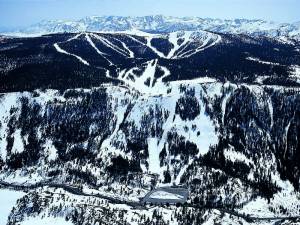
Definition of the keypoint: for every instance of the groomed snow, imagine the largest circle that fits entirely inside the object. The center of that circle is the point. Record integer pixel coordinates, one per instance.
(160, 54)
(112, 46)
(208, 40)
(173, 38)
(88, 38)
(165, 195)
(60, 50)
(224, 103)
(261, 61)
(200, 80)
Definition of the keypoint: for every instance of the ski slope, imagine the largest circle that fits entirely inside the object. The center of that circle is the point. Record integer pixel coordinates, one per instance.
(60, 50)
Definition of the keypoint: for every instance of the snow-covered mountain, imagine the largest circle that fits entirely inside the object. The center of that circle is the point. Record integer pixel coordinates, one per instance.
(90, 122)
(161, 24)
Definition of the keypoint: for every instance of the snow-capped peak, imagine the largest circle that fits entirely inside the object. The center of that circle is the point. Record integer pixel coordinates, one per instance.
(162, 24)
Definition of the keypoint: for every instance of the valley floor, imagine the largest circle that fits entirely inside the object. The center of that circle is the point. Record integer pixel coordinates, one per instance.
(156, 200)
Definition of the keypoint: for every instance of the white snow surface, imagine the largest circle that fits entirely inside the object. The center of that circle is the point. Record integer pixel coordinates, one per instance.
(153, 150)
(207, 40)
(112, 46)
(262, 61)
(173, 38)
(7, 101)
(50, 150)
(46, 221)
(224, 103)
(8, 199)
(160, 54)
(165, 195)
(59, 49)
(88, 38)
(167, 102)
(234, 156)
(295, 73)
(18, 145)
(158, 23)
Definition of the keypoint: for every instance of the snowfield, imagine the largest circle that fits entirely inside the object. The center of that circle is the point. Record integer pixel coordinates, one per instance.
(154, 166)
(8, 200)
(46, 221)
(138, 26)
(165, 195)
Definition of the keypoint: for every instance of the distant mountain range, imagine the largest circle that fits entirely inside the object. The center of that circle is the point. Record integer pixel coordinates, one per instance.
(160, 24)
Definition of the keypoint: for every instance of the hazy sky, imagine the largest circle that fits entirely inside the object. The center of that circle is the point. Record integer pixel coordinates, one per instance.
(25, 12)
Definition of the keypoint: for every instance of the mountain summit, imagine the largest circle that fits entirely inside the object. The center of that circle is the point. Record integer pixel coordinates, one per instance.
(160, 24)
